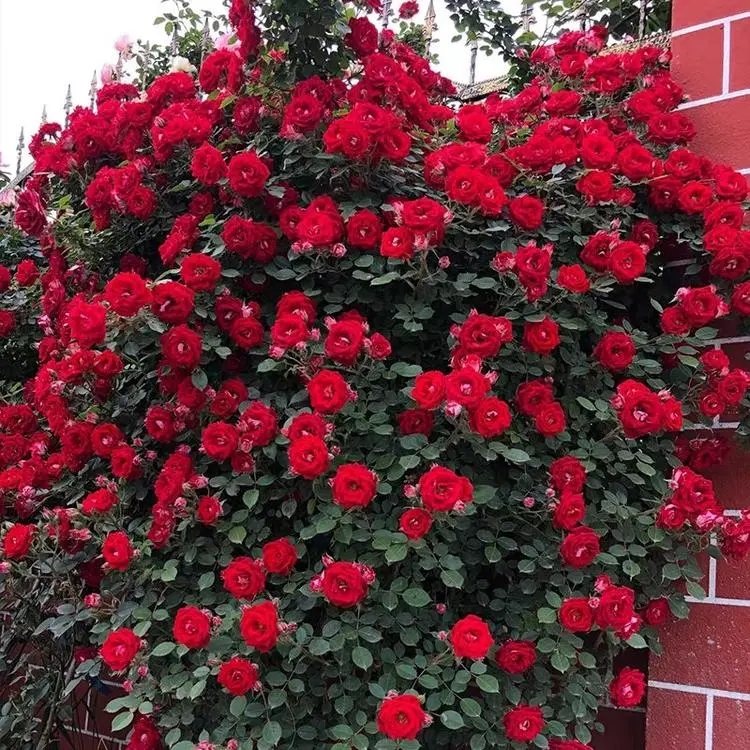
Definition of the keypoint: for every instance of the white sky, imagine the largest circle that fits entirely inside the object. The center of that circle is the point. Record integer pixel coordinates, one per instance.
(47, 44)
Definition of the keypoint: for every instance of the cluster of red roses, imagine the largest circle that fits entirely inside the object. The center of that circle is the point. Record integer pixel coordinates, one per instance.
(725, 387)
(379, 117)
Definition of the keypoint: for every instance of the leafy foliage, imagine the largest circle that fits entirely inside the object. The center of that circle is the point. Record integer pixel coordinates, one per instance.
(357, 417)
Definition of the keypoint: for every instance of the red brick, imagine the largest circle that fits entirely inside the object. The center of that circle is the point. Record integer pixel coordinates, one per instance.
(692, 12)
(697, 61)
(736, 354)
(675, 721)
(723, 130)
(100, 721)
(739, 61)
(731, 479)
(731, 723)
(709, 649)
(732, 580)
(623, 730)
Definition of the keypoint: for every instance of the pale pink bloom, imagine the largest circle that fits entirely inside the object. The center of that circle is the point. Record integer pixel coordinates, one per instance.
(108, 73)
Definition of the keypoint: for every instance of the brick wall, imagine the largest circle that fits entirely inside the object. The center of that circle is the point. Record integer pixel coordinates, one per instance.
(699, 690)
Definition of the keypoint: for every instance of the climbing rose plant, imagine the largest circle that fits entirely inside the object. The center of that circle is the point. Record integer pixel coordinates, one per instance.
(363, 419)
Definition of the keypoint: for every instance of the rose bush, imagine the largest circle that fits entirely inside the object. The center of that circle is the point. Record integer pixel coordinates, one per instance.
(360, 418)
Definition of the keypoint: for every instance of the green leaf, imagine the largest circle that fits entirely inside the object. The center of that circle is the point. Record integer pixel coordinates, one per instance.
(452, 719)
(237, 534)
(237, 706)
(122, 720)
(452, 578)
(487, 683)
(272, 732)
(637, 641)
(199, 379)
(162, 649)
(515, 455)
(416, 597)
(362, 657)
(546, 615)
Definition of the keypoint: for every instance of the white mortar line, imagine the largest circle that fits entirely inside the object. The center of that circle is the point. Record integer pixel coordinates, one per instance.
(712, 578)
(709, 722)
(730, 340)
(697, 690)
(710, 24)
(714, 99)
(719, 601)
(744, 171)
(727, 57)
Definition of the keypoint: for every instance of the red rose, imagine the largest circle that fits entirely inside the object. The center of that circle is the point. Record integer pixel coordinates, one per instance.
(246, 332)
(127, 293)
(219, 440)
(397, 242)
(345, 341)
(491, 417)
(120, 648)
(441, 489)
(570, 510)
(516, 657)
(244, 578)
(406, 10)
(615, 351)
(259, 626)
(596, 186)
(208, 510)
(172, 302)
(247, 174)
(674, 321)
(207, 164)
(258, 425)
(343, 584)
(7, 323)
(5, 279)
(429, 389)
(416, 422)
(473, 123)
(575, 615)
(628, 688)
(307, 425)
(466, 387)
(302, 114)
(415, 522)
(573, 278)
(192, 627)
(354, 486)
(470, 638)
(145, 735)
(328, 392)
(99, 501)
(526, 212)
(636, 162)
(711, 404)
(279, 556)
(542, 337)
(741, 298)
(657, 612)
(580, 547)
(363, 230)
(694, 197)
(550, 420)
(117, 550)
(105, 438)
(238, 676)
(523, 723)
(308, 457)
(484, 335)
(182, 347)
(640, 410)
(200, 272)
(362, 36)
(615, 609)
(597, 151)
(733, 386)
(532, 396)
(378, 346)
(627, 261)
(401, 717)
(567, 473)
(671, 517)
